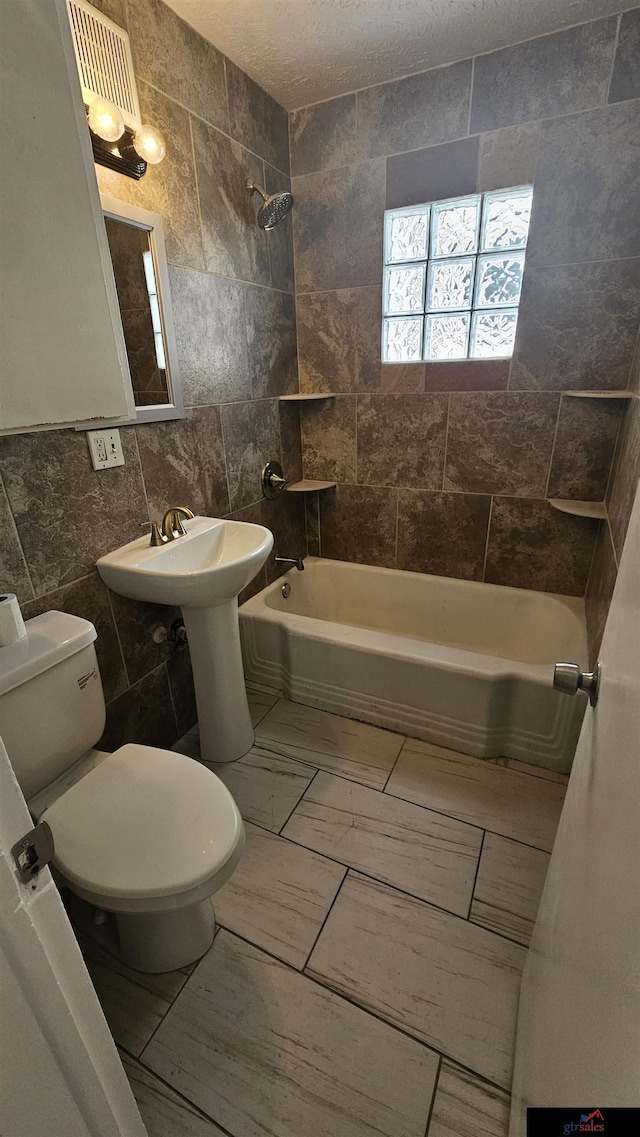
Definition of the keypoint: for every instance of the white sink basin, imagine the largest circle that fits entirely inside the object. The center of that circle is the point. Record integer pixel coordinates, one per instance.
(203, 572)
(212, 564)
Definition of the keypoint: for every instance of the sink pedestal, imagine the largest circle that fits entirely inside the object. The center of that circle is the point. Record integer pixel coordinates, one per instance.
(226, 732)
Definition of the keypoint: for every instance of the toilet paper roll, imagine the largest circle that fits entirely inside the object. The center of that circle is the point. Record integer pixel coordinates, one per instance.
(12, 626)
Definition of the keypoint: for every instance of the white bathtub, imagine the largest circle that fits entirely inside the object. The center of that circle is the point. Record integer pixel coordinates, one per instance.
(464, 665)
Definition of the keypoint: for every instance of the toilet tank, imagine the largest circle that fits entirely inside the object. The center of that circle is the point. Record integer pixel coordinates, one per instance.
(51, 700)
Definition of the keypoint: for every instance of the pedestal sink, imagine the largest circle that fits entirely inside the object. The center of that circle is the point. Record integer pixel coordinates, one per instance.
(203, 572)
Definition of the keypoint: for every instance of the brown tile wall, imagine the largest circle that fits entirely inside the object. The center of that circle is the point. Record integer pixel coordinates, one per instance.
(620, 496)
(446, 467)
(232, 293)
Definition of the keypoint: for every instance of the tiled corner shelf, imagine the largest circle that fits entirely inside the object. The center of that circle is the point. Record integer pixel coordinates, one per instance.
(598, 394)
(309, 485)
(594, 509)
(305, 398)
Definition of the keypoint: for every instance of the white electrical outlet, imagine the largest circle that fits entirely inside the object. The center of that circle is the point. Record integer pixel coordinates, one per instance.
(105, 448)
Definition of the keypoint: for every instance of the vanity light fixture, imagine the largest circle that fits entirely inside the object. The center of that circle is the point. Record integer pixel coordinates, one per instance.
(105, 120)
(149, 144)
(131, 152)
(119, 138)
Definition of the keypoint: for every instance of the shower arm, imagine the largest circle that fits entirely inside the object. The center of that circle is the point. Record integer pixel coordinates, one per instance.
(253, 187)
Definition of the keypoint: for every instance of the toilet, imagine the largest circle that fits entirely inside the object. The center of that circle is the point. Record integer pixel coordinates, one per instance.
(143, 837)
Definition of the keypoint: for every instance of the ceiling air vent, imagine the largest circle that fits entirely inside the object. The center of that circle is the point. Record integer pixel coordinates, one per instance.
(103, 55)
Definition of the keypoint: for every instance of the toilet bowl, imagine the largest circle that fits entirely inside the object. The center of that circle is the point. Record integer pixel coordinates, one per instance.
(143, 835)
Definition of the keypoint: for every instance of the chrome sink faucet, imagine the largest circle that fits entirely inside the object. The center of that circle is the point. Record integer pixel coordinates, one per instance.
(171, 526)
(297, 561)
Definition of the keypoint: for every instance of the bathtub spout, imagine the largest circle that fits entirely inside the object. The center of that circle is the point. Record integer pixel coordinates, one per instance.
(297, 561)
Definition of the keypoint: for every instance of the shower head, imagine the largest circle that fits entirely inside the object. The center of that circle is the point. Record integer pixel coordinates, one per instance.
(274, 208)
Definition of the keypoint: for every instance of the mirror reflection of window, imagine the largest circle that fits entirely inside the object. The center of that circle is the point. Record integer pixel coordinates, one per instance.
(137, 289)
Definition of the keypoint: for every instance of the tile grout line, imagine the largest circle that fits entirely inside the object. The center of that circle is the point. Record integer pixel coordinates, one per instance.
(472, 79)
(453, 62)
(494, 832)
(197, 188)
(475, 879)
(396, 888)
(14, 526)
(213, 126)
(436, 1086)
(278, 832)
(395, 763)
(318, 982)
(616, 41)
(322, 925)
(192, 1105)
(486, 544)
(118, 638)
(553, 447)
(446, 444)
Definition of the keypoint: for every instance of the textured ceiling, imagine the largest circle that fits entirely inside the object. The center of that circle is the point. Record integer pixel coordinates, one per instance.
(303, 51)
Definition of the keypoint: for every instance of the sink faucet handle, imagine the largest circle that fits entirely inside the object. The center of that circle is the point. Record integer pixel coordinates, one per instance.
(172, 526)
(156, 536)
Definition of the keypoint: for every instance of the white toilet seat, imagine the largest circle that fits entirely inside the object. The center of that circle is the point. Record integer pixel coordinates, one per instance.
(146, 830)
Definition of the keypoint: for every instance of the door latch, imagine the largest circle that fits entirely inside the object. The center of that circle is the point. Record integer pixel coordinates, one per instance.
(33, 852)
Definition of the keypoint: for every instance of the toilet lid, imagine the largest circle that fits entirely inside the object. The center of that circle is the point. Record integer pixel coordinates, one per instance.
(144, 823)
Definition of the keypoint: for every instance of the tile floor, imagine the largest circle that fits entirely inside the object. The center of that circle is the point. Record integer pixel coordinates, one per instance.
(364, 977)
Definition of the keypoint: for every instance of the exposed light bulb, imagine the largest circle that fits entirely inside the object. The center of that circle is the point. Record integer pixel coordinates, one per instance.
(149, 144)
(105, 120)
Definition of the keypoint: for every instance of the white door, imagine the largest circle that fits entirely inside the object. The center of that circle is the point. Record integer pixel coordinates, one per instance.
(578, 1042)
(59, 1068)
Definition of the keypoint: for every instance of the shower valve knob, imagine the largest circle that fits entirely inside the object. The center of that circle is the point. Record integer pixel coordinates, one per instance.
(569, 679)
(273, 480)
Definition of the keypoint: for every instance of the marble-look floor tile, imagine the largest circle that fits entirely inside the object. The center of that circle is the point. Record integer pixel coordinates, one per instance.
(341, 746)
(504, 801)
(440, 978)
(266, 1051)
(259, 703)
(508, 887)
(265, 786)
(164, 1113)
(421, 852)
(133, 1003)
(278, 896)
(465, 1106)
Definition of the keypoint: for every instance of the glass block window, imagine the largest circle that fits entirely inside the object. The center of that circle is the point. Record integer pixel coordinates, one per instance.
(453, 277)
